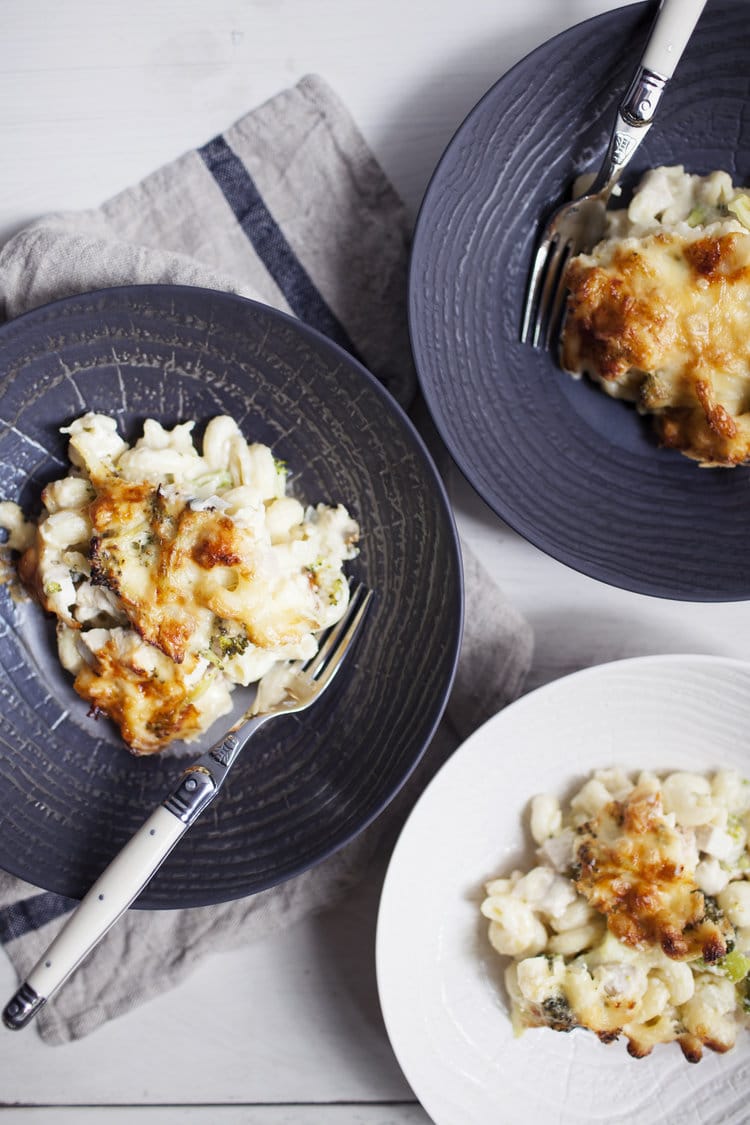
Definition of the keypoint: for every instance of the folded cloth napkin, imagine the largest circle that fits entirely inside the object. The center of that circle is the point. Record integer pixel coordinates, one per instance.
(288, 206)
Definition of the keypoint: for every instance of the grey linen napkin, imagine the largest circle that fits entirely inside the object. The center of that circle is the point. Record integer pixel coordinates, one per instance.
(289, 207)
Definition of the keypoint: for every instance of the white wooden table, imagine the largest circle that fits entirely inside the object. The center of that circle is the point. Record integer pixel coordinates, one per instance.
(93, 95)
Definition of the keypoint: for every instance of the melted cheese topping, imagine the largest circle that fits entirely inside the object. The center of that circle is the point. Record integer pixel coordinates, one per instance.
(638, 870)
(151, 701)
(175, 576)
(661, 315)
(175, 569)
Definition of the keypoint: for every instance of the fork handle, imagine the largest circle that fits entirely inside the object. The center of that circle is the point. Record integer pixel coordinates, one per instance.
(672, 28)
(109, 897)
(129, 872)
(669, 36)
(132, 869)
(121, 882)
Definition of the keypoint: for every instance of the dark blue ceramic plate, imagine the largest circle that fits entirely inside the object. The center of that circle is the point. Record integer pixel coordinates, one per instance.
(578, 474)
(70, 792)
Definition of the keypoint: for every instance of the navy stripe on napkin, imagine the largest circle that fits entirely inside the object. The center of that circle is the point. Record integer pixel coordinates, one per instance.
(31, 914)
(267, 238)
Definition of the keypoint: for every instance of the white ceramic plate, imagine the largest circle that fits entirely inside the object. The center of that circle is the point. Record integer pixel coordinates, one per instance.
(440, 982)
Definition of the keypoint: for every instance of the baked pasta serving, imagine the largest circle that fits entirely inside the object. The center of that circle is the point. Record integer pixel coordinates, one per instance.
(175, 575)
(635, 920)
(659, 312)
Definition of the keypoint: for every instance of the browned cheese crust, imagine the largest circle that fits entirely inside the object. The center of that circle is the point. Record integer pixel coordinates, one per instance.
(630, 868)
(150, 711)
(167, 562)
(665, 320)
(170, 567)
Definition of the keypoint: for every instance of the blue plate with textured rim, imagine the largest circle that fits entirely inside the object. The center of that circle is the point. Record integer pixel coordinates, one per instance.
(70, 792)
(578, 474)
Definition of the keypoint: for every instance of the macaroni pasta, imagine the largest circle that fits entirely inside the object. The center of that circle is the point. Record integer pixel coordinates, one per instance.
(175, 575)
(635, 920)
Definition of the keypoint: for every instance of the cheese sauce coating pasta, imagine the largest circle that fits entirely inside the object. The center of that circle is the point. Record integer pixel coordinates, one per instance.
(635, 920)
(175, 575)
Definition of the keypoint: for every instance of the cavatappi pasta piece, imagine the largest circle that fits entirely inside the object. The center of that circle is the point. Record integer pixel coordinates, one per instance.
(176, 574)
(619, 928)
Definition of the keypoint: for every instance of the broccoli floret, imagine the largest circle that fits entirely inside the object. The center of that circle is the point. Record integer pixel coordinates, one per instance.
(711, 909)
(226, 644)
(557, 1013)
(233, 644)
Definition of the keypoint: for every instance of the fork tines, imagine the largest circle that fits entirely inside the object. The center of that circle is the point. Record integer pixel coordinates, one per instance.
(545, 296)
(323, 666)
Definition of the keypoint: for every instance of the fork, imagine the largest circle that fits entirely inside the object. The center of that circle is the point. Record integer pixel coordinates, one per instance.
(135, 865)
(578, 226)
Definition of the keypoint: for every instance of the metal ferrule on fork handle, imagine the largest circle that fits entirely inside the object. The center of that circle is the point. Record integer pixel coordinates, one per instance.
(23, 1007)
(642, 98)
(188, 799)
(634, 117)
(200, 782)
